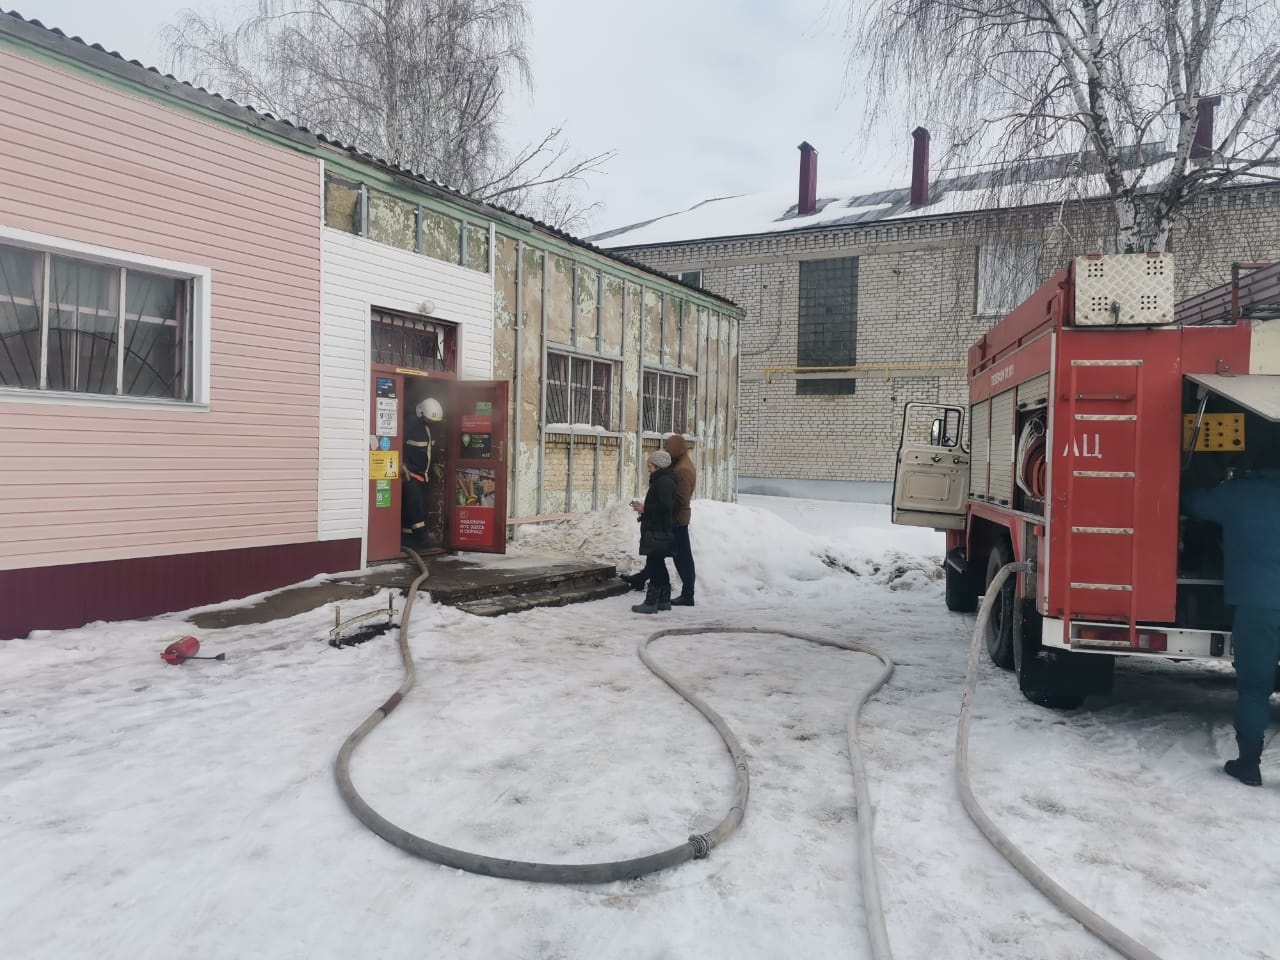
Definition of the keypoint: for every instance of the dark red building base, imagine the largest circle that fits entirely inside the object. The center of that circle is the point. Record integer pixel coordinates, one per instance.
(57, 598)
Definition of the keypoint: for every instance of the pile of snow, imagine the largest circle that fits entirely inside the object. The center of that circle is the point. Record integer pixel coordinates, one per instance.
(154, 811)
(790, 549)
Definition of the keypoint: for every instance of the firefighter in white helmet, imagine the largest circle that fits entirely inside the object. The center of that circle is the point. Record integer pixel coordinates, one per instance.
(419, 447)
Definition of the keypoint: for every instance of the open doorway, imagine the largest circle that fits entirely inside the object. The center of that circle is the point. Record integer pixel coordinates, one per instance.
(424, 518)
(438, 446)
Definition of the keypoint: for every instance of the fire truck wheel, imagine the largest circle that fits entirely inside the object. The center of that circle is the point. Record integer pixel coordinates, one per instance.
(1000, 627)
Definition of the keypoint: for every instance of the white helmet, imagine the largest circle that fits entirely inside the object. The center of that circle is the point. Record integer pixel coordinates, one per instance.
(430, 409)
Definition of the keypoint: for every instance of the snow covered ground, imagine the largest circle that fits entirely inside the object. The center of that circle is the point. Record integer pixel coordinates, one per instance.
(154, 811)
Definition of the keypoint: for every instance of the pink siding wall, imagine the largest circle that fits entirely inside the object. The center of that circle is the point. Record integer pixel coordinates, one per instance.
(83, 161)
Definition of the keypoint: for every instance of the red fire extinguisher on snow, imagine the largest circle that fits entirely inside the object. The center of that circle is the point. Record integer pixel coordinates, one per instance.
(185, 649)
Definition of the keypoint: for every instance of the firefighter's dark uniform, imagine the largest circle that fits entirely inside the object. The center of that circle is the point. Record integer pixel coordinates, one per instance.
(417, 465)
(1248, 508)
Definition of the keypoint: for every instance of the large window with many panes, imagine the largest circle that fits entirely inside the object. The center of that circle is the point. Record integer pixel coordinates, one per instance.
(827, 332)
(73, 325)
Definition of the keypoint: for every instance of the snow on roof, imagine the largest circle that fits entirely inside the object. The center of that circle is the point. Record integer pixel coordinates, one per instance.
(844, 202)
(1056, 179)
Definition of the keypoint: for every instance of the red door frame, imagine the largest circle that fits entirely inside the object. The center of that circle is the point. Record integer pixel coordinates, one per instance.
(383, 524)
(477, 515)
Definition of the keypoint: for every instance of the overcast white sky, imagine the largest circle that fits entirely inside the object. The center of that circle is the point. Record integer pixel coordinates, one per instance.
(700, 98)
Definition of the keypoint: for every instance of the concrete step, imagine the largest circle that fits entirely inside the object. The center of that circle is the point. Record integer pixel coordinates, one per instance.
(579, 590)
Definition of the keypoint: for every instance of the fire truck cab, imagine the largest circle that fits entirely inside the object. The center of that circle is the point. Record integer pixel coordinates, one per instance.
(1092, 406)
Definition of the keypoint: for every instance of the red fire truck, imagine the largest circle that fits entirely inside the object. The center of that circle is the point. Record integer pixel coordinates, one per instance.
(1091, 407)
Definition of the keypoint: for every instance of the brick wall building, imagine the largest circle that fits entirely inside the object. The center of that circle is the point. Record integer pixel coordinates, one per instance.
(891, 294)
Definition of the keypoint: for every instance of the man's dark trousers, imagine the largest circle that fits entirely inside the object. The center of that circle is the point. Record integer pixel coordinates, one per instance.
(682, 556)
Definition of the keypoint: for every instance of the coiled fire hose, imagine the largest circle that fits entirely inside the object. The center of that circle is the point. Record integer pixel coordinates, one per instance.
(696, 847)
(700, 845)
(1105, 931)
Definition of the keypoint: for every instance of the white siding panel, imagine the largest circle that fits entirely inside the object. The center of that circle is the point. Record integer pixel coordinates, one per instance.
(359, 274)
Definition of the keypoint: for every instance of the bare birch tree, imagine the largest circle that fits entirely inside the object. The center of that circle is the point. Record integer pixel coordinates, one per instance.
(1116, 82)
(420, 83)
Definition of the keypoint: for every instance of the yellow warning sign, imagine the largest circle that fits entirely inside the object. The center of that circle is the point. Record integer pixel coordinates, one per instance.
(384, 464)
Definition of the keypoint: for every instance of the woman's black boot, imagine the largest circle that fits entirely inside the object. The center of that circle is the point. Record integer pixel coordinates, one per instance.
(650, 604)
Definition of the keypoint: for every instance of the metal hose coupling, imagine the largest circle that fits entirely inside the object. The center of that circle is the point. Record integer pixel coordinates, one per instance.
(701, 844)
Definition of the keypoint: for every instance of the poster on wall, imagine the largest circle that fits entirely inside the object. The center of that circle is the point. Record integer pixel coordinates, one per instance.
(476, 436)
(384, 465)
(386, 408)
(474, 515)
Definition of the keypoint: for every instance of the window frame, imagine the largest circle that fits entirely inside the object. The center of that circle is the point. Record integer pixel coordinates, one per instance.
(200, 279)
(828, 293)
(606, 391)
(665, 376)
(1014, 253)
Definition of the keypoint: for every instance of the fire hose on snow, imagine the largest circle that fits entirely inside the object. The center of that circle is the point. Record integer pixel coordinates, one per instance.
(1105, 931)
(700, 845)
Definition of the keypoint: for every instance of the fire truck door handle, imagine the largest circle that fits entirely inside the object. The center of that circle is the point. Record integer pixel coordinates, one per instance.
(955, 459)
(936, 459)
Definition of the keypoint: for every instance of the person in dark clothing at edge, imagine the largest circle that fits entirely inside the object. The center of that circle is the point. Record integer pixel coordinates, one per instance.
(655, 532)
(1248, 509)
(418, 448)
(686, 476)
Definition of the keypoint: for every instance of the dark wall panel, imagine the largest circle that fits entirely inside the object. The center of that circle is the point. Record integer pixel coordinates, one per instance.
(58, 598)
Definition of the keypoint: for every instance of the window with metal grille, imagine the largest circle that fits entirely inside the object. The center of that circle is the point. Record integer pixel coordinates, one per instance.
(77, 326)
(412, 342)
(579, 390)
(665, 403)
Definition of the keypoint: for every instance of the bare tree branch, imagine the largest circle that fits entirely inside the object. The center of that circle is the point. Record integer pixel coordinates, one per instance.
(419, 83)
(1018, 80)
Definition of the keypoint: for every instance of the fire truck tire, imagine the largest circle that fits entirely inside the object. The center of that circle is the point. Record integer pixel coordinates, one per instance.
(1035, 682)
(999, 633)
(962, 590)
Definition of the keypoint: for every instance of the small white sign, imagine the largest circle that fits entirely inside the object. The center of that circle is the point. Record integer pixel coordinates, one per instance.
(386, 416)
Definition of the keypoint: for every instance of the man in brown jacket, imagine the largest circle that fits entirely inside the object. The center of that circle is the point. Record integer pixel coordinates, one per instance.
(686, 477)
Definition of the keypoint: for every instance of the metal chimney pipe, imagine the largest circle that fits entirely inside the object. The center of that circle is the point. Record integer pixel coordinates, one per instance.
(808, 179)
(920, 167)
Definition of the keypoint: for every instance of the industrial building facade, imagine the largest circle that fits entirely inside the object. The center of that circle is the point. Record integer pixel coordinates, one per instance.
(859, 300)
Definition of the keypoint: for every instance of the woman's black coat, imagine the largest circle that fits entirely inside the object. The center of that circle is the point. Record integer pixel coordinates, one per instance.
(656, 538)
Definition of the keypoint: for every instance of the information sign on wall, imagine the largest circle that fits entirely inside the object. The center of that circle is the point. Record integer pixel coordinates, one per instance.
(386, 411)
(384, 464)
(382, 493)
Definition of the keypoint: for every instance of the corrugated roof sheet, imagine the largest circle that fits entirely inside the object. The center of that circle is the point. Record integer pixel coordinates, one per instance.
(75, 48)
(852, 203)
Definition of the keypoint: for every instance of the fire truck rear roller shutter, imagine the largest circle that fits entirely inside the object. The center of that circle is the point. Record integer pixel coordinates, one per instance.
(1002, 443)
(1034, 393)
(980, 449)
